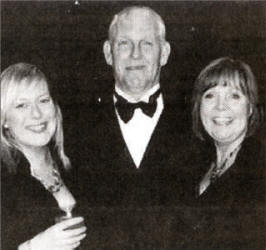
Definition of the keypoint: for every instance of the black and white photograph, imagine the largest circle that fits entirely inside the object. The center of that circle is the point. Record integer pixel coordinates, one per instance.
(133, 125)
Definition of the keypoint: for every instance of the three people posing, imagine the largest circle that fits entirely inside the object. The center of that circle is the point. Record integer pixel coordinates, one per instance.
(134, 152)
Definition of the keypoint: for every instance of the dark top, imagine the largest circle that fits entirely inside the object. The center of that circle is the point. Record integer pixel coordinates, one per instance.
(231, 212)
(27, 207)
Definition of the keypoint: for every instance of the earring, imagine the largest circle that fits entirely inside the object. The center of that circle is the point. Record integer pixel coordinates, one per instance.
(5, 126)
(250, 110)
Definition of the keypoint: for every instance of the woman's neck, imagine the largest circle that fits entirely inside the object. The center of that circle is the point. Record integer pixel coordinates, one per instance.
(38, 156)
(224, 150)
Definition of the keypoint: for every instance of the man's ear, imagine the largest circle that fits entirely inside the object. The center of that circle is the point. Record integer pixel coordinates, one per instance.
(166, 49)
(107, 52)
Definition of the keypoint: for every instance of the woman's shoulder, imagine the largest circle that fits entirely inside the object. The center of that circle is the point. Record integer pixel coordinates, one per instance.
(251, 165)
(200, 154)
(8, 175)
(253, 152)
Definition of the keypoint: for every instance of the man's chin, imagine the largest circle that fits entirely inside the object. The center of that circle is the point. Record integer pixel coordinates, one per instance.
(134, 86)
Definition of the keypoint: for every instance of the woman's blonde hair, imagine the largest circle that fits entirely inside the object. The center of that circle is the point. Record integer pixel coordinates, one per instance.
(13, 77)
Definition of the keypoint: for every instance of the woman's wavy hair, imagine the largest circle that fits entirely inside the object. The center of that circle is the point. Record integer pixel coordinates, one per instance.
(12, 78)
(222, 71)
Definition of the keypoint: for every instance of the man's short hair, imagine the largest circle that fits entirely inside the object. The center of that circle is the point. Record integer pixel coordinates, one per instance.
(127, 11)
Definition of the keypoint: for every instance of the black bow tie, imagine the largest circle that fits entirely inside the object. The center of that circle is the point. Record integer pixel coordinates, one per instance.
(126, 109)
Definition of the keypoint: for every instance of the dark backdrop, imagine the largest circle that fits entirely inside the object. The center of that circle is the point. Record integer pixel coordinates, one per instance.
(65, 40)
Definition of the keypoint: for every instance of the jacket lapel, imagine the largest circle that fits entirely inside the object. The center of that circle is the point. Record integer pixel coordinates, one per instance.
(157, 152)
(161, 144)
(117, 150)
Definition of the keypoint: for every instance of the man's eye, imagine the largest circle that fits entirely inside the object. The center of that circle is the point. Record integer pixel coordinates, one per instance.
(123, 43)
(21, 106)
(147, 43)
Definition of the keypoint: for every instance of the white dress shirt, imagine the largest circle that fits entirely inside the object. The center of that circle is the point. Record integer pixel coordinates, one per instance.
(138, 131)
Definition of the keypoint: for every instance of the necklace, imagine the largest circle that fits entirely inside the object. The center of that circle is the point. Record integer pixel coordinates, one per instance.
(218, 170)
(57, 181)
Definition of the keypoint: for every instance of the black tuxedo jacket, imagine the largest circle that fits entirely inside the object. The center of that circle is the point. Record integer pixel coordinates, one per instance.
(127, 207)
(110, 172)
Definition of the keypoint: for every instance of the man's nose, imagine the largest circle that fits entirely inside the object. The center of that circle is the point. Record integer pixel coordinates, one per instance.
(36, 112)
(221, 103)
(136, 51)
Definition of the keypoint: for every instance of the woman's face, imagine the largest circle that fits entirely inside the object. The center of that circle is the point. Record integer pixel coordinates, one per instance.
(31, 117)
(224, 113)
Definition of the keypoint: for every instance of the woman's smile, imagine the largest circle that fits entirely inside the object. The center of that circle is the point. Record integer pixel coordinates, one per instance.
(37, 128)
(222, 121)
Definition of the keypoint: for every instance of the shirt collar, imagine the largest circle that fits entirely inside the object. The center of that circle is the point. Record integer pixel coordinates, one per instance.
(144, 98)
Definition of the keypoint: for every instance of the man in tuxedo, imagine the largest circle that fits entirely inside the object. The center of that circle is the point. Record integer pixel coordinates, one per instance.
(137, 50)
(130, 145)
(130, 142)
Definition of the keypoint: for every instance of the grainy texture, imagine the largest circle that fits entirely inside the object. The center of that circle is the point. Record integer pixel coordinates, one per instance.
(65, 40)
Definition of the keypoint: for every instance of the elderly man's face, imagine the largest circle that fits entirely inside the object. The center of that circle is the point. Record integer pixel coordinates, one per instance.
(137, 53)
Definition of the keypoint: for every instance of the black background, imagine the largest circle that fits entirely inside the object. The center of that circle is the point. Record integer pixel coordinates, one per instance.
(65, 40)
